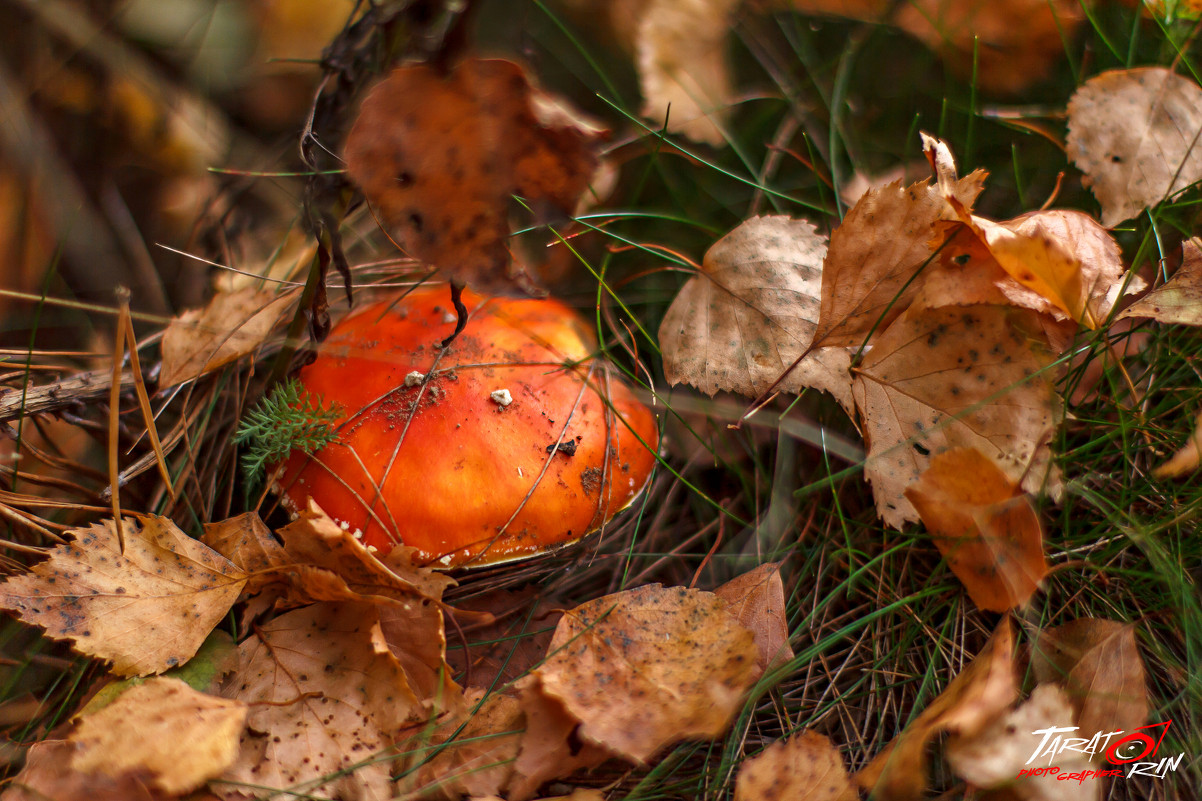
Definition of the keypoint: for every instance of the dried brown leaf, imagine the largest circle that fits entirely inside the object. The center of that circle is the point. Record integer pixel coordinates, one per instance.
(751, 312)
(314, 539)
(1179, 300)
(680, 48)
(1063, 256)
(441, 157)
(649, 667)
(231, 326)
(757, 600)
(147, 610)
(955, 377)
(874, 254)
(1136, 136)
(989, 534)
(1098, 663)
(326, 695)
(805, 767)
(971, 701)
(46, 777)
(177, 736)
(518, 628)
(997, 755)
(551, 746)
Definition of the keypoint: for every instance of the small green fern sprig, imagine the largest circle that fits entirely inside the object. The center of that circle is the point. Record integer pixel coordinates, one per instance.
(286, 420)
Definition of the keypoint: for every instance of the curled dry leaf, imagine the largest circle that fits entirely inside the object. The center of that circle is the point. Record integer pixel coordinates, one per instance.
(441, 156)
(325, 695)
(649, 667)
(684, 73)
(867, 276)
(989, 534)
(1098, 663)
(551, 746)
(231, 326)
(1063, 256)
(1180, 299)
(973, 699)
(751, 312)
(479, 751)
(314, 539)
(1186, 459)
(757, 600)
(805, 767)
(147, 610)
(177, 736)
(955, 377)
(996, 755)
(321, 561)
(1136, 136)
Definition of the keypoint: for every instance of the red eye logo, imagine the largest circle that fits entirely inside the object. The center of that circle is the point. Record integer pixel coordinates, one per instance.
(1139, 744)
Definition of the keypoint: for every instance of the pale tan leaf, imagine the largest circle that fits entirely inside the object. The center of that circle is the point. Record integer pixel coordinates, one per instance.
(680, 47)
(989, 534)
(757, 600)
(751, 312)
(805, 767)
(178, 736)
(231, 326)
(147, 610)
(649, 667)
(1179, 300)
(874, 254)
(955, 377)
(1186, 459)
(1136, 136)
(1098, 663)
(326, 695)
(971, 701)
(997, 755)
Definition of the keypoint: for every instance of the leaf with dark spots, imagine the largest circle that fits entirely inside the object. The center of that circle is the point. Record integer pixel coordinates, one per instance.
(750, 313)
(466, 143)
(325, 695)
(875, 253)
(649, 667)
(949, 395)
(146, 609)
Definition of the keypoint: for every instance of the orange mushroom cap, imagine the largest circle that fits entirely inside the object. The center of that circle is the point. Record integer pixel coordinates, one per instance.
(511, 442)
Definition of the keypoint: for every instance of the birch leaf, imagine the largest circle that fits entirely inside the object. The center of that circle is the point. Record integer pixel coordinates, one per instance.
(955, 377)
(751, 312)
(147, 610)
(1136, 136)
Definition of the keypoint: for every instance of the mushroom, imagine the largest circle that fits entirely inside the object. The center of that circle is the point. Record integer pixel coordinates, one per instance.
(511, 441)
